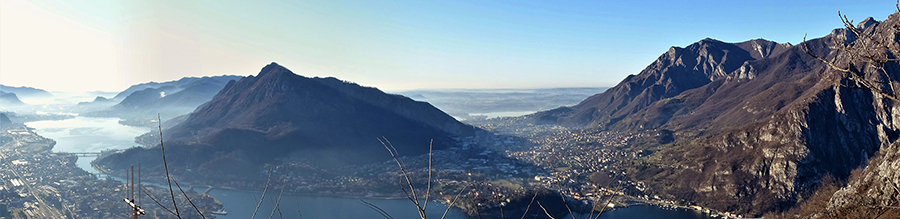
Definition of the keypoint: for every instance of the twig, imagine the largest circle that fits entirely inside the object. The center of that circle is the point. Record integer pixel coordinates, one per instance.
(263, 194)
(529, 205)
(188, 199)
(545, 210)
(618, 186)
(149, 194)
(278, 200)
(376, 209)
(563, 197)
(428, 190)
(413, 197)
(454, 199)
(166, 166)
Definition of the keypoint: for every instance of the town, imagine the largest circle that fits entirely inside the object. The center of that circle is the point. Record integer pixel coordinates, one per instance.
(36, 183)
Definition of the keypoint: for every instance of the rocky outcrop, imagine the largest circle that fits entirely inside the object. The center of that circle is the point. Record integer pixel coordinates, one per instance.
(674, 72)
(757, 123)
(872, 192)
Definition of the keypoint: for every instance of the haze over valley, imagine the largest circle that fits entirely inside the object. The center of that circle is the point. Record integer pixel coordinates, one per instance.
(496, 111)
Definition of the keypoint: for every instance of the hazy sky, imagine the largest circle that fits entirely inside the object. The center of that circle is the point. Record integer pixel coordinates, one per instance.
(86, 45)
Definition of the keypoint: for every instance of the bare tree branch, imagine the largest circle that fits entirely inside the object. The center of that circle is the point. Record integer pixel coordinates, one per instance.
(376, 209)
(529, 205)
(188, 199)
(166, 165)
(149, 194)
(545, 210)
(263, 194)
(278, 200)
(454, 199)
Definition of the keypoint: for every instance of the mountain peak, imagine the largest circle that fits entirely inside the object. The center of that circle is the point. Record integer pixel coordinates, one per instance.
(866, 23)
(273, 68)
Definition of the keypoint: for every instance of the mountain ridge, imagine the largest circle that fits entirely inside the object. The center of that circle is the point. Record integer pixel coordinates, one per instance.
(756, 124)
(278, 115)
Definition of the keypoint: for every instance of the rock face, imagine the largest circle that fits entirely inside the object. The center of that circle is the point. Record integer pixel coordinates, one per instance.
(874, 192)
(756, 123)
(280, 115)
(674, 72)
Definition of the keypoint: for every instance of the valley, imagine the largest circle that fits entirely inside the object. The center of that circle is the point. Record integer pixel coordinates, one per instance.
(475, 110)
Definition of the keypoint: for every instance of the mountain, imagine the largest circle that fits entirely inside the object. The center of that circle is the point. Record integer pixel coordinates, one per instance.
(872, 191)
(26, 92)
(4, 121)
(97, 101)
(10, 99)
(279, 115)
(175, 85)
(674, 72)
(168, 99)
(755, 124)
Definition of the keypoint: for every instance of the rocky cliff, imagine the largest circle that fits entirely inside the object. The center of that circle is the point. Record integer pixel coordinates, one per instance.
(873, 191)
(757, 124)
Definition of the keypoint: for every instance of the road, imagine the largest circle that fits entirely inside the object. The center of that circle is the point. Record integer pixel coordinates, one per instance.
(45, 210)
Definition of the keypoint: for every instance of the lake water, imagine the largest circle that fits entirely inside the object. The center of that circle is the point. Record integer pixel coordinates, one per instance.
(87, 134)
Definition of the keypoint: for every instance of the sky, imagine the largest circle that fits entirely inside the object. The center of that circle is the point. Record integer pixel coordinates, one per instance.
(100, 45)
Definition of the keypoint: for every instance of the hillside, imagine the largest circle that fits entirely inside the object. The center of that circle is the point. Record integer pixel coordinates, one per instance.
(279, 115)
(10, 99)
(756, 124)
(179, 84)
(168, 99)
(26, 92)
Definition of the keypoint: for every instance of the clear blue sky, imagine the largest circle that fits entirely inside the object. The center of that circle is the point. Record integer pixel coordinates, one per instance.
(81, 45)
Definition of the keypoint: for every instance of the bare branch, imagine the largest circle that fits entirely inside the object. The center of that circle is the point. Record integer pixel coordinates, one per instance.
(166, 166)
(188, 199)
(545, 210)
(454, 199)
(529, 205)
(376, 209)
(563, 197)
(278, 200)
(428, 189)
(263, 194)
(396, 155)
(149, 194)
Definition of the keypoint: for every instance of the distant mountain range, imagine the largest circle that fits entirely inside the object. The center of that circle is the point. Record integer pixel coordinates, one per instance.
(175, 86)
(468, 104)
(97, 101)
(10, 99)
(755, 124)
(279, 115)
(141, 103)
(26, 92)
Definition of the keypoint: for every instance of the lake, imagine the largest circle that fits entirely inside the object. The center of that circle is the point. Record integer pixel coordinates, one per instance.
(88, 134)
